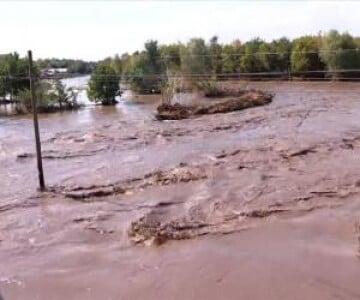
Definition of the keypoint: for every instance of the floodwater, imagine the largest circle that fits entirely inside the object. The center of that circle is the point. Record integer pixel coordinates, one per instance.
(79, 84)
(256, 204)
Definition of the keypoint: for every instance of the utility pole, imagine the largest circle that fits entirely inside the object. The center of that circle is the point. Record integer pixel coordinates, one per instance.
(36, 124)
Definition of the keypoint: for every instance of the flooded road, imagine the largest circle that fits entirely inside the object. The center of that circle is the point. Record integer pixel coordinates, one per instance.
(262, 203)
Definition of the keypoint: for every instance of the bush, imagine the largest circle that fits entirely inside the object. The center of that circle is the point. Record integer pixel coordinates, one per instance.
(50, 97)
(104, 84)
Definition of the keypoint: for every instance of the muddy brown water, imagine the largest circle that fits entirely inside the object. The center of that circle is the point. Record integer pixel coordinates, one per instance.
(257, 204)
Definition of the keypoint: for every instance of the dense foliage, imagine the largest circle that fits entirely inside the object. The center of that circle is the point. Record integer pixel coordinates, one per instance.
(104, 84)
(329, 55)
(13, 75)
(145, 70)
(51, 96)
(166, 67)
(305, 54)
(340, 52)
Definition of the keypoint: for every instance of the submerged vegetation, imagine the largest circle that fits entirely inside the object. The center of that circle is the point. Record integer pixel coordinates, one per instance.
(51, 96)
(13, 76)
(104, 84)
(145, 73)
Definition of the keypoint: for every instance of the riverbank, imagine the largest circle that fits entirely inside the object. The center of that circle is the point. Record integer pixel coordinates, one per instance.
(257, 203)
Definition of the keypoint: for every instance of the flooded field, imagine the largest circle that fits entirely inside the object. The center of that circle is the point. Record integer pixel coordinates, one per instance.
(257, 204)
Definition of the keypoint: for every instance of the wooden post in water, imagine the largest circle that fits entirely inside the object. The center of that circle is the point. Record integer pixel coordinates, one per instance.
(36, 124)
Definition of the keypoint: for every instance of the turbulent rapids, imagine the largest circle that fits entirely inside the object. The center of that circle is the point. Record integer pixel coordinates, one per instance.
(213, 198)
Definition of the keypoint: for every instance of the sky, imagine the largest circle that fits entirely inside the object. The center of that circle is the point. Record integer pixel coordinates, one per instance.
(93, 30)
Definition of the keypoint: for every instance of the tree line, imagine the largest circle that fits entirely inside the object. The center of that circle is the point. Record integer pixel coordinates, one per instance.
(73, 66)
(329, 55)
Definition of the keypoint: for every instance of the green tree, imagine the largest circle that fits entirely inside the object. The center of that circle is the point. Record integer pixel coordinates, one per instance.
(170, 55)
(138, 74)
(260, 56)
(282, 47)
(73, 66)
(215, 53)
(66, 98)
(153, 57)
(125, 61)
(61, 94)
(44, 101)
(79, 67)
(116, 64)
(339, 53)
(268, 58)
(13, 75)
(305, 55)
(251, 61)
(231, 57)
(146, 69)
(104, 84)
(194, 58)
(357, 42)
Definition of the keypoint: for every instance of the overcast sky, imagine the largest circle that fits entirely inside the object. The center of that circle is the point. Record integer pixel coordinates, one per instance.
(93, 30)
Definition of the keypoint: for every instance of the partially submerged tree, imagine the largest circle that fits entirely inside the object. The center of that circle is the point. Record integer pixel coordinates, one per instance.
(146, 71)
(66, 98)
(13, 75)
(104, 84)
(50, 97)
(43, 99)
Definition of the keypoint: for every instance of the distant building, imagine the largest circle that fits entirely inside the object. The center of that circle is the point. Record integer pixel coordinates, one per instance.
(53, 71)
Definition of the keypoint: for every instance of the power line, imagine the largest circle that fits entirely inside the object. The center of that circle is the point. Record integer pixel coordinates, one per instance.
(208, 74)
(186, 74)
